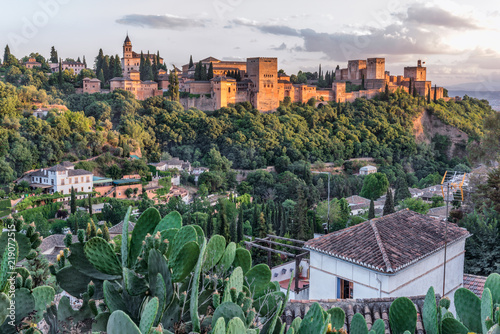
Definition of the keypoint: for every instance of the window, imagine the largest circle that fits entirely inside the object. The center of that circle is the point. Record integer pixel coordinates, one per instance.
(344, 289)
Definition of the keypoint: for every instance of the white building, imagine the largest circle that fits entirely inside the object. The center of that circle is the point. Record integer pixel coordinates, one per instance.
(401, 254)
(365, 170)
(76, 66)
(174, 163)
(61, 178)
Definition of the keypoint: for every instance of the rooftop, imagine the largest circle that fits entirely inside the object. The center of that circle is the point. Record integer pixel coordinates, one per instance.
(474, 283)
(117, 229)
(390, 243)
(371, 309)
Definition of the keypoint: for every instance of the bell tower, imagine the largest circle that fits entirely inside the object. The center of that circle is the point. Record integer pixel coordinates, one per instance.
(127, 48)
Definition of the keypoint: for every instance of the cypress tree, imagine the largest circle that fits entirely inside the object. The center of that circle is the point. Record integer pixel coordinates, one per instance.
(414, 91)
(204, 73)
(191, 61)
(371, 211)
(6, 54)
(106, 64)
(402, 192)
(197, 71)
(173, 88)
(84, 62)
(99, 61)
(53, 56)
(101, 77)
(60, 75)
(117, 68)
(239, 232)
(90, 204)
(148, 70)
(363, 83)
(78, 60)
(435, 93)
(262, 226)
(223, 222)
(154, 69)
(93, 229)
(233, 229)
(389, 203)
(409, 87)
(300, 216)
(72, 204)
(211, 71)
(105, 233)
(387, 92)
(141, 65)
(429, 95)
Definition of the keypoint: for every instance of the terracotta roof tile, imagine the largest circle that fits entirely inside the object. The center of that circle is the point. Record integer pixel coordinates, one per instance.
(389, 243)
(474, 283)
(371, 309)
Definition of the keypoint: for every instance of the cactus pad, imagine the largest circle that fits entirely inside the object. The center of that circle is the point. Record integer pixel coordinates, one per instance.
(403, 315)
(185, 260)
(258, 278)
(214, 252)
(172, 220)
(44, 295)
(430, 315)
(493, 283)
(148, 316)
(243, 259)
(236, 326)
(146, 223)
(102, 256)
(337, 317)
(227, 259)
(486, 309)
(453, 326)
(120, 323)
(228, 311)
(80, 262)
(313, 320)
(186, 234)
(468, 307)
(378, 327)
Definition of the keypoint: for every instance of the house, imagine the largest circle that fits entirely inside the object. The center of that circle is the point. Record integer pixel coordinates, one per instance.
(365, 170)
(75, 66)
(32, 63)
(370, 308)
(438, 213)
(174, 163)
(41, 112)
(91, 86)
(52, 245)
(118, 228)
(197, 171)
(400, 254)
(61, 179)
(475, 283)
(358, 204)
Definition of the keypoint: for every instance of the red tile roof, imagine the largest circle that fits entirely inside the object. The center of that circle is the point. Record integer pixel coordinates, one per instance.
(389, 243)
(474, 283)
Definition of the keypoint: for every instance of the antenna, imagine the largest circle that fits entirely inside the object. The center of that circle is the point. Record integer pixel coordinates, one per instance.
(451, 180)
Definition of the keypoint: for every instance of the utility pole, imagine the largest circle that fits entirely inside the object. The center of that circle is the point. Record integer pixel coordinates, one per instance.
(328, 219)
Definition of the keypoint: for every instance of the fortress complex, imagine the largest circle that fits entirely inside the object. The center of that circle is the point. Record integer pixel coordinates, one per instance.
(265, 88)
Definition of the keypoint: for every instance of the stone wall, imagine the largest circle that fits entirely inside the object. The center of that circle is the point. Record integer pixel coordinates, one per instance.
(201, 103)
(375, 68)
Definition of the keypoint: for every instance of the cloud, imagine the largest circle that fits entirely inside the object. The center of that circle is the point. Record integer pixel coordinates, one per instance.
(162, 21)
(267, 28)
(279, 48)
(486, 59)
(435, 16)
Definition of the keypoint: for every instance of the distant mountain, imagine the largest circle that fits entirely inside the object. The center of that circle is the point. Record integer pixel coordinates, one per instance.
(476, 86)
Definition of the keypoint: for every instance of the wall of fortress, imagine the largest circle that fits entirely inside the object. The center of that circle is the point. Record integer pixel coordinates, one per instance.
(202, 103)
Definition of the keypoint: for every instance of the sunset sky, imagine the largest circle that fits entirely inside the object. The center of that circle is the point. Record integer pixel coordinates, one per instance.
(458, 40)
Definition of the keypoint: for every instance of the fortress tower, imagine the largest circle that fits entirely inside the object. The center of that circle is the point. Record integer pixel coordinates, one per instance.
(375, 68)
(127, 48)
(263, 72)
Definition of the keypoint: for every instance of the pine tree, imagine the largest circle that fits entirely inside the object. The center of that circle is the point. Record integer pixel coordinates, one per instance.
(210, 71)
(389, 203)
(191, 61)
(72, 204)
(53, 56)
(90, 204)
(371, 211)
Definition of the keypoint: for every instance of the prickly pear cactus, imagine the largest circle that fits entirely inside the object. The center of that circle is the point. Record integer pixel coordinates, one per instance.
(468, 307)
(403, 315)
(430, 313)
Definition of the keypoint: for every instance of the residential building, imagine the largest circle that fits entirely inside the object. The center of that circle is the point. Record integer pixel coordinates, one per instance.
(174, 163)
(118, 229)
(91, 86)
(365, 170)
(133, 84)
(400, 254)
(52, 245)
(32, 63)
(75, 66)
(61, 178)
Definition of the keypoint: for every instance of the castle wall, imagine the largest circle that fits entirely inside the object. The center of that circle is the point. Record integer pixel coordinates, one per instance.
(201, 103)
(200, 87)
(375, 68)
(339, 91)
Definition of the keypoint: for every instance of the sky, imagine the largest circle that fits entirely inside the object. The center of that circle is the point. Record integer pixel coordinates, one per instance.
(457, 39)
